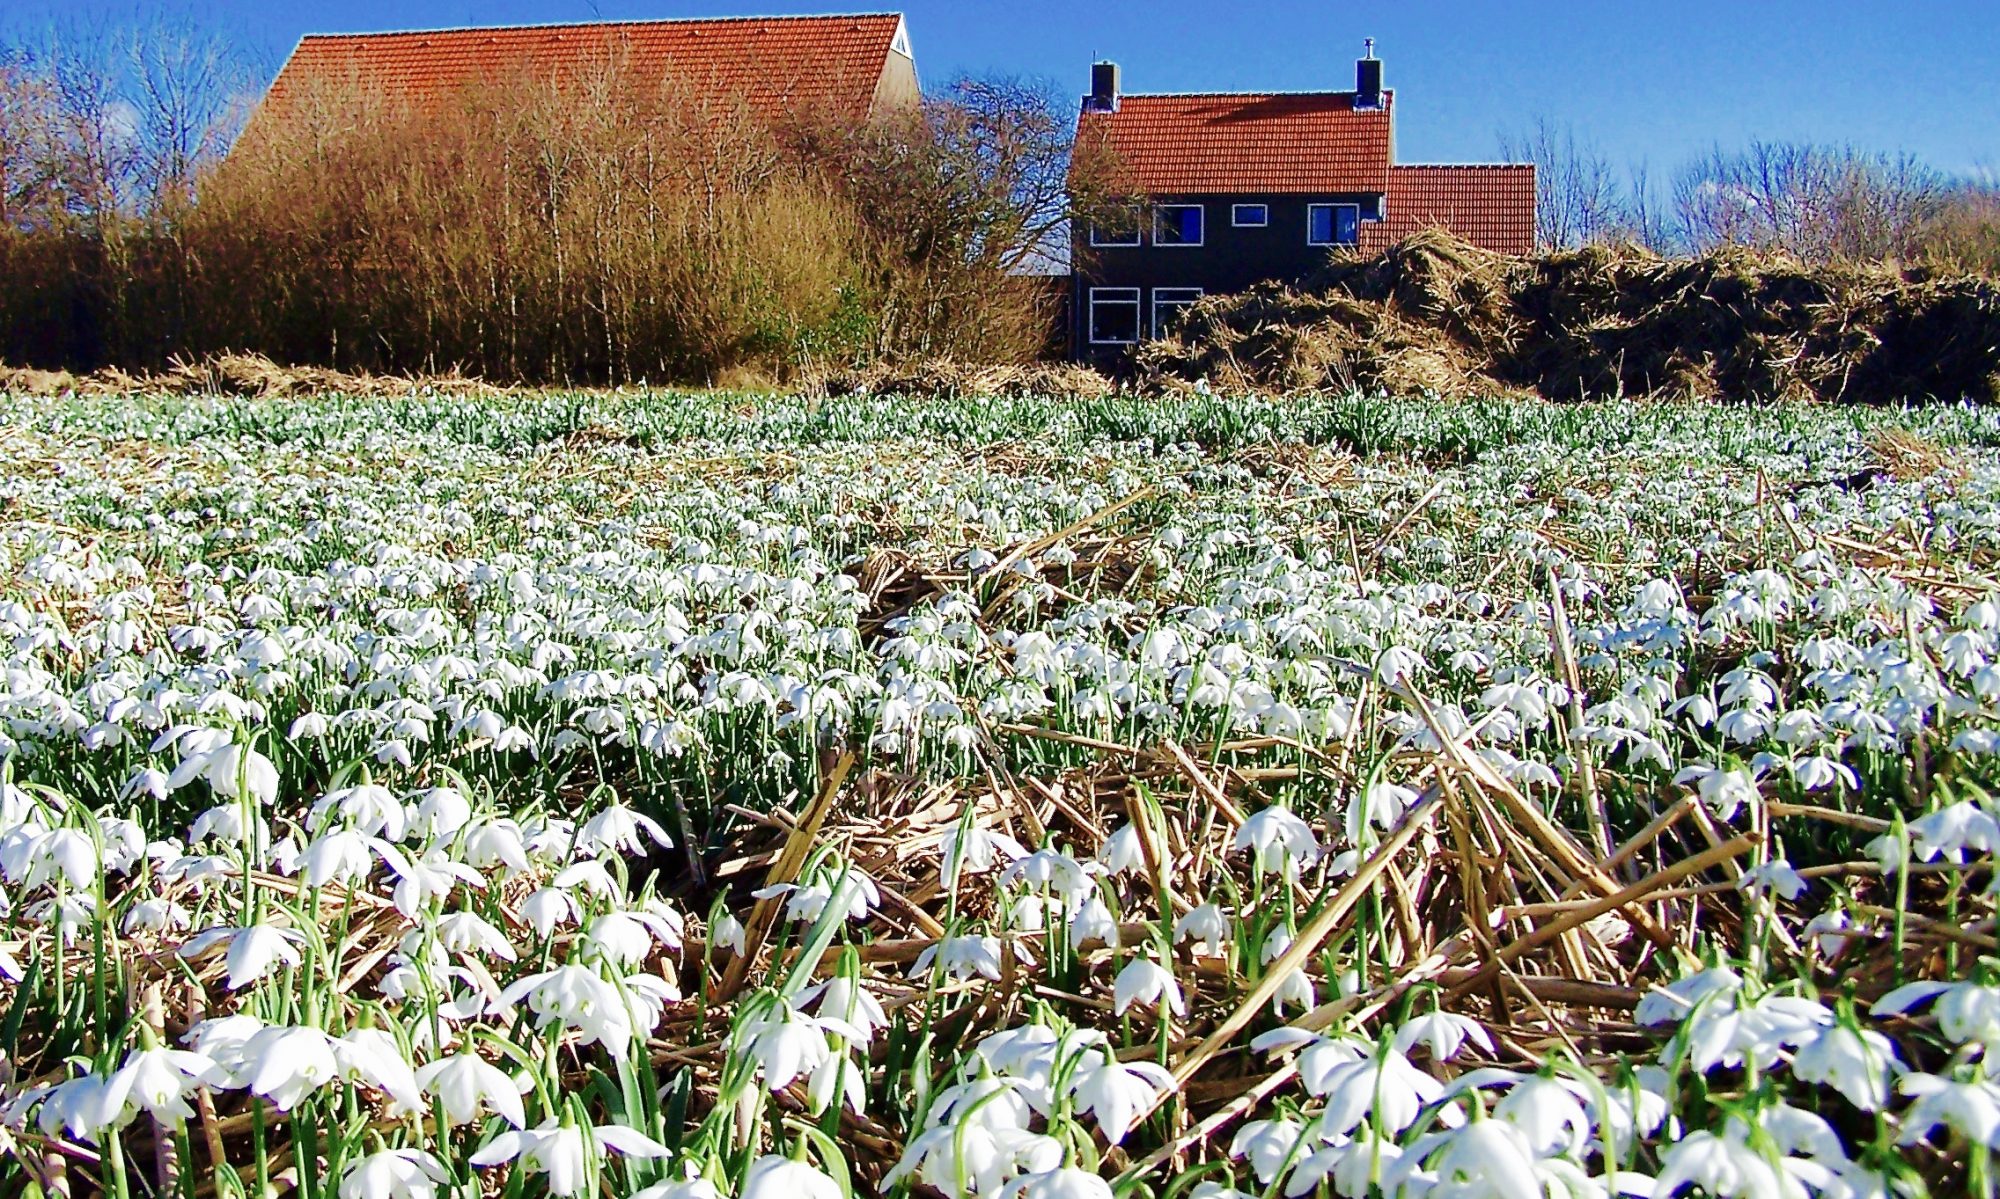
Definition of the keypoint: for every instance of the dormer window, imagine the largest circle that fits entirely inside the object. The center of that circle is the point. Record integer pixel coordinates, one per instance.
(1333, 224)
(1177, 225)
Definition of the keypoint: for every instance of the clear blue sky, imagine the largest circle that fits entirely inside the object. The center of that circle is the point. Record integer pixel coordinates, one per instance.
(1647, 81)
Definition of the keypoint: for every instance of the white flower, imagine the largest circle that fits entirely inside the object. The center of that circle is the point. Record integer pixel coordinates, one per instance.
(961, 957)
(1859, 1063)
(1093, 921)
(158, 1080)
(728, 934)
(463, 1082)
(776, 1177)
(1380, 806)
(1122, 851)
(253, 952)
(1280, 840)
(1207, 927)
(576, 997)
(1118, 1093)
(619, 827)
(1385, 1084)
(1774, 875)
(287, 1064)
(1443, 1033)
(1725, 1168)
(1067, 1182)
(395, 1174)
(558, 1150)
(975, 850)
(1971, 1109)
(1146, 981)
(785, 1046)
(1268, 1144)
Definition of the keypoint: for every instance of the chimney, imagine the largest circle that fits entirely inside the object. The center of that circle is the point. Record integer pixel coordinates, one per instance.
(1368, 80)
(1103, 95)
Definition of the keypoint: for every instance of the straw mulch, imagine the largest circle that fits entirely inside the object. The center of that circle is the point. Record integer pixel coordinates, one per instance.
(232, 375)
(1435, 314)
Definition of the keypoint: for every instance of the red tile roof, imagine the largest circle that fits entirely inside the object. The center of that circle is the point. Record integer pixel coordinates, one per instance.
(1207, 144)
(777, 64)
(1489, 206)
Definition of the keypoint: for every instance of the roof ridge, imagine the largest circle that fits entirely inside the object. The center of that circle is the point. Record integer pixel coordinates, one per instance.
(1460, 166)
(644, 21)
(1235, 95)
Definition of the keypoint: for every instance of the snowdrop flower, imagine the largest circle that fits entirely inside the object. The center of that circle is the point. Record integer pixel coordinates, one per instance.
(1122, 851)
(1118, 1093)
(560, 1151)
(370, 809)
(1485, 1159)
(287, 1064)
(395, 1174)
(1970, 1109)
(463, 1082)
(1859, 1063)
(1443, 1033)
(252, 952)
(1379, 806)
(1774, 875)
(1723, 791)
(1093, 921)
(237, 772)
(1066, 1182)
(961, 957)
(785, 1045)
(1146, 981)
(1281, 841)
(728, 934)
(1207, 927)
(158, 1081)
(847, 1001)
(1384, 1084)
(619, 827)
(577, 998)
(1295, 989)
(1269, 1144)
(776, 1177)
(371, 1056)
(1672, 1003)
(1724, 1167)
(975, 850)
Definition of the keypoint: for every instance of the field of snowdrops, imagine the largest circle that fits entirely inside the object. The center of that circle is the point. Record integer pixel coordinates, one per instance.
(680, 797)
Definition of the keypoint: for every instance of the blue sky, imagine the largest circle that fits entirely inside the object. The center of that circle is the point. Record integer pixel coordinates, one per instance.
(1650, 81)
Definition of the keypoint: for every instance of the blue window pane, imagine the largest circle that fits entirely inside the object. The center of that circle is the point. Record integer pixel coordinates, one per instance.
(1321, 218)
(1346, 225)
(1177, 225)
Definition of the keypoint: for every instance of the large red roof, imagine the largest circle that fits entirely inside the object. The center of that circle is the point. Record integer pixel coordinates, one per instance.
(831, 64)
(1489, 206)
(1208, 144)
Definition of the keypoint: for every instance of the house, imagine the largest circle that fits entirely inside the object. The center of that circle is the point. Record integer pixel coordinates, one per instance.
(848, 67)
(1242, 188)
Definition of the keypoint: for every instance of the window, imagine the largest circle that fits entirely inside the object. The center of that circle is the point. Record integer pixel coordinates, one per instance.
(1168, 305)
(1333, 224)
(1177, 225)
(1251, 216)
(1119, 230)
(1114, 316)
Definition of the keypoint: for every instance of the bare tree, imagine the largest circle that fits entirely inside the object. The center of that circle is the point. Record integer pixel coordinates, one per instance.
(1577, 200)
(33, 161)
(190, 90)
(1821, 203)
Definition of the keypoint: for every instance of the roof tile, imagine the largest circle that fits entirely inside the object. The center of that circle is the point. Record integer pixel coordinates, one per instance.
(1279, 143)
(1490, 206)
(777, 64)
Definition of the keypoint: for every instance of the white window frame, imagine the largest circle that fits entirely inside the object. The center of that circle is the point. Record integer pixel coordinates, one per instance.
(1113, 295)
(1335, 226)
(1138, 235)
(1196, 244)
(1184, 296)
(1236, 216)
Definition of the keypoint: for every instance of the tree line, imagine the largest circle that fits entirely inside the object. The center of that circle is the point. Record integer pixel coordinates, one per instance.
(1818, 203)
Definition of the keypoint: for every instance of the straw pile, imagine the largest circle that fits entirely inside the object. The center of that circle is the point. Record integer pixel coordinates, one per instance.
(250, 375)
(1435, 314)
